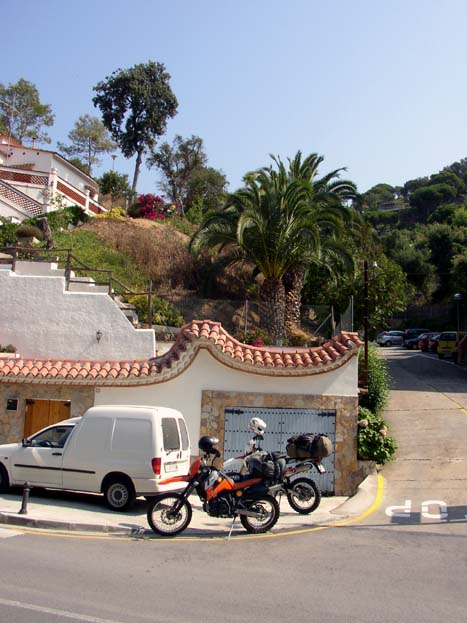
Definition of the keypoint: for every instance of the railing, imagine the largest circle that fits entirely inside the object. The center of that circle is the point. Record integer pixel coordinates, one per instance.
(71, 265)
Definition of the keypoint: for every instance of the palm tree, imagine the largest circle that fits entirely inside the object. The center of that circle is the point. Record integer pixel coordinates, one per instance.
(275, 223)
(327, 197)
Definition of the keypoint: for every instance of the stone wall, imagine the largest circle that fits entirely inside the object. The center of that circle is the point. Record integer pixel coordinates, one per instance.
(12, 423)
(214, 403)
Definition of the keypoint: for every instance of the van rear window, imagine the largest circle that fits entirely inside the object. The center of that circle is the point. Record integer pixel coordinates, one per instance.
(170, 434)
(184, 434)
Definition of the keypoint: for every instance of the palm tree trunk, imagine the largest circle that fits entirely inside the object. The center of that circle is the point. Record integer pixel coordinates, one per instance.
(293, 285)
(272, 308)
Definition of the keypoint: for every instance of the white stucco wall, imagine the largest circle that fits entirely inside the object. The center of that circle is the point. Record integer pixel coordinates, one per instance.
(206, 373)
(8, 211)
(41, 319)
(44, 161)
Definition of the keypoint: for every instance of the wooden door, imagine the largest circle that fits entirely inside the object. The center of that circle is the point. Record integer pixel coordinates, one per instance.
(42, 413)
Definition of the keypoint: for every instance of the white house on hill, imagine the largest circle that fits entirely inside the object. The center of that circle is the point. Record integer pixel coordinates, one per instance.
(32, 180)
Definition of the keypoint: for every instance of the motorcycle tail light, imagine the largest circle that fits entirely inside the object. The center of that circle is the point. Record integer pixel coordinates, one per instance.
(156, 466)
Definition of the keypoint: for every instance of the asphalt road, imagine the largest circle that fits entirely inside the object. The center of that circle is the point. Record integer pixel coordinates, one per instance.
(405, 562)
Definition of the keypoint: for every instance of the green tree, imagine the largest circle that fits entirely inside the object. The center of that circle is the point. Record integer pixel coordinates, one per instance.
(177, 163)
(328, 215)
(412, 254)
(274, 223)
(88, 139)
(135, 104)
(428, 198)
(116, 185)
(449, 178)
(208, 188)
(22, 115)
(375, 196)
(412, 185)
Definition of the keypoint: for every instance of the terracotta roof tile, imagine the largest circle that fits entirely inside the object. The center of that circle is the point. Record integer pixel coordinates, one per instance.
(196, 334)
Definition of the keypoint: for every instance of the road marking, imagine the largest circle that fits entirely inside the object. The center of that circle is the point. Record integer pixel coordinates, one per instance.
(63, 613)
(399, 511)
(404, 511)
(443, 510)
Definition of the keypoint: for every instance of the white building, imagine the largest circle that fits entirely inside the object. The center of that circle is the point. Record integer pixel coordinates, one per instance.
(36, 181)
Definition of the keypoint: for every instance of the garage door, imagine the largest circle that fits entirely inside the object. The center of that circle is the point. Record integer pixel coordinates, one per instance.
(42, 413)
(281, 424)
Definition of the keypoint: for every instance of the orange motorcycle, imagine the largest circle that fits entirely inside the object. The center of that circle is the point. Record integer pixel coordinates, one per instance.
(171, 513)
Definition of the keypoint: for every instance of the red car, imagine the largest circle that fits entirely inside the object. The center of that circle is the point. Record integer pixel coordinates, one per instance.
(433, 343)
(424, 341)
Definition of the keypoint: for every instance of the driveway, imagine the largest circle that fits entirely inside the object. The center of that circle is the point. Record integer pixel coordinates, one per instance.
(427, 413)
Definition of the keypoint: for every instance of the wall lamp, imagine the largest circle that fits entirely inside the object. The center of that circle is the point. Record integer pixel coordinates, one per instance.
(98, 335)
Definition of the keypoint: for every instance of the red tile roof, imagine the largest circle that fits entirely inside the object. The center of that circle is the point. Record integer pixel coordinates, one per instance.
(196, 335)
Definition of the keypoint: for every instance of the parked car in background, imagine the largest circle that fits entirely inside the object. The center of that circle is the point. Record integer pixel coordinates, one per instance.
(433, 343)
(447, 343)
(390, 338)
(411, 334)
(424, 341)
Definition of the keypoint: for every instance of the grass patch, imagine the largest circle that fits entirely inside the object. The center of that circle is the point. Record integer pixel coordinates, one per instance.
(93, 252)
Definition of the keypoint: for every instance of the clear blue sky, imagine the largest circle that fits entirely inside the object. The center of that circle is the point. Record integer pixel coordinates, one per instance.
(377, 86)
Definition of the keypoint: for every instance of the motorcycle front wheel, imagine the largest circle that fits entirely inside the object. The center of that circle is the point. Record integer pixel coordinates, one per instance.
(164, 519)
(268, 510)
(303, 495)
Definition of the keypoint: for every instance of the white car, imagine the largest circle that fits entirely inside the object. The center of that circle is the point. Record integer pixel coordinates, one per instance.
(390, 338)
(122, 451)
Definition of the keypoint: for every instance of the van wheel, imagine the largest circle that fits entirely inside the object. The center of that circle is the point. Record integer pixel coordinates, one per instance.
(119, 494)
(4, 480)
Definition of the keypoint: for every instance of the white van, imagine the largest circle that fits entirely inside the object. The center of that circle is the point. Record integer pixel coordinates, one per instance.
(120, 451)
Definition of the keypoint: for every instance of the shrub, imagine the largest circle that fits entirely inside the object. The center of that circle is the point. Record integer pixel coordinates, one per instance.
(163, 312)
(151, 206)
(378, 381)
(9, 348)
(7, 232)
(62, 218)
(374, 443)
(29, 231)
(112, 213)
(259, 337)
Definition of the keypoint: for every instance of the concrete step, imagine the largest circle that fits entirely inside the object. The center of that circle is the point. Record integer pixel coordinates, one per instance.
(87, 287)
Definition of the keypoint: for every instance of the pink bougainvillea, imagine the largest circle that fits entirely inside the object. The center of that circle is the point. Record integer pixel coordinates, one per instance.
(152, 206)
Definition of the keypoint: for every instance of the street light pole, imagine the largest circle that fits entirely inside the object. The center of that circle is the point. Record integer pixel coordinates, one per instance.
(365, 323)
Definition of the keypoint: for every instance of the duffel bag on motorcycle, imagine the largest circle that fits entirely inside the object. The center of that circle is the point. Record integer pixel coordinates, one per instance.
(309, 446)
(260, 467)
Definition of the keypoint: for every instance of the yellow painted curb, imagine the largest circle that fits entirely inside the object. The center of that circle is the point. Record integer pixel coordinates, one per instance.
(346, 522)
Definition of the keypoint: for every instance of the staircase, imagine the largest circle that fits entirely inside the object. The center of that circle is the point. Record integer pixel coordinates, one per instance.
(48, 311)
(20, 200)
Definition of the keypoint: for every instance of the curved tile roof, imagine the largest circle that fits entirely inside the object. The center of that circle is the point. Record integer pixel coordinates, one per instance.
(196, 335)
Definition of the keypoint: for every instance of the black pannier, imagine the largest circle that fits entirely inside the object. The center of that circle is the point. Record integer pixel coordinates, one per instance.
(260, 467)
(309, 446)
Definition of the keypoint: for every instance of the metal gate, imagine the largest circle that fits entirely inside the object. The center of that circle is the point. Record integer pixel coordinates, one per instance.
(281, 424)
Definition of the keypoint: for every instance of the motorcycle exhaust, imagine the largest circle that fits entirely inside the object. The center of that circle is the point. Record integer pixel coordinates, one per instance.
(275, 489)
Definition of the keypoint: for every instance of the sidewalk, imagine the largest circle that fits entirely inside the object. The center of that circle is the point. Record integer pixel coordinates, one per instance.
(78, 513)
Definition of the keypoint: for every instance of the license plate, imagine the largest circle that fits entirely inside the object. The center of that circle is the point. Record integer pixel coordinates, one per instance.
(171, 467)
(320, 468)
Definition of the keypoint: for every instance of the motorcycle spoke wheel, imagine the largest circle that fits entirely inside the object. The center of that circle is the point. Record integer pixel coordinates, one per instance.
(304, 495)
(268, 509)
(162, 517)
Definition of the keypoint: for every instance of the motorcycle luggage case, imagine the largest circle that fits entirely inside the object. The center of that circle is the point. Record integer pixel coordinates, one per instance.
(309, 446)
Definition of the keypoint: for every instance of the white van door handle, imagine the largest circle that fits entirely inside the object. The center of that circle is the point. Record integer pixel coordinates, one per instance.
(56, 453)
